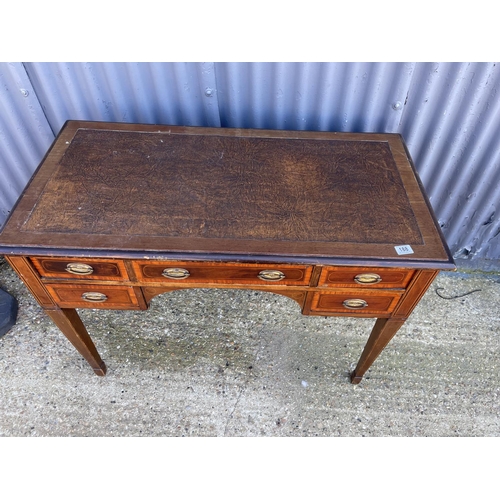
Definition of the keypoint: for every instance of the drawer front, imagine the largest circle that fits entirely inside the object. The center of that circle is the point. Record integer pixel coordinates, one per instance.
(88, 269)
(354, 302)
(365, 277)
(94, 296)
(234, 273)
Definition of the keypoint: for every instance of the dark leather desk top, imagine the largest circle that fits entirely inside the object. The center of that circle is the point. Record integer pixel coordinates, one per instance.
(200, 192)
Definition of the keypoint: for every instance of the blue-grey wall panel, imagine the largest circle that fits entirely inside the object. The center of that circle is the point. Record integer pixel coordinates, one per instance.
(452, 126)
(172, 93)
(351, 97)
(24, 134)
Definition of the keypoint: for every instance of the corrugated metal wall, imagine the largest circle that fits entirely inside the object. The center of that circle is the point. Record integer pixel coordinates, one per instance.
(25, 134)
(448, 113)
(451, 123)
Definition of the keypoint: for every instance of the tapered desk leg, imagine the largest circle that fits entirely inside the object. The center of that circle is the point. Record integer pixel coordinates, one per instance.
(71, 325)
(382, 333)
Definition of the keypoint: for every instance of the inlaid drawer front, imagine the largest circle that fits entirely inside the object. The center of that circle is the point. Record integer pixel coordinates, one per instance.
(93, 269)
(221, 273)
(365, 277)
(357, 302)
(94, 296)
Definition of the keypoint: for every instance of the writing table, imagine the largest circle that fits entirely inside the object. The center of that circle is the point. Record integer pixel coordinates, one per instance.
(117, 214)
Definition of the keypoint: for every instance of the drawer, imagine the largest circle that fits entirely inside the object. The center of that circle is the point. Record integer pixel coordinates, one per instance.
(227, 273)
(94, 296)
(365, 277)
(354, 302)
(88, 269)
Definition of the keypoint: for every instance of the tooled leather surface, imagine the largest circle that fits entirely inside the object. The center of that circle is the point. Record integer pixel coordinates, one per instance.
(131, 183)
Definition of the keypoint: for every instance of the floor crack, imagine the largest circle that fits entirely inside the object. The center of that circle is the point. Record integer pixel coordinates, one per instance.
(243, 386)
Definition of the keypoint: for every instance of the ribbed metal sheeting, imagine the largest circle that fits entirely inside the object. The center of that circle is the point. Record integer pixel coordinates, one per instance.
(170, 93)
(448, 113)
(351, 97)
(451, 123)
(25, 134)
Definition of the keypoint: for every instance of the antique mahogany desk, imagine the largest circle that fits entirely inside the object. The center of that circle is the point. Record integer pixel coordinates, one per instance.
(119, 213)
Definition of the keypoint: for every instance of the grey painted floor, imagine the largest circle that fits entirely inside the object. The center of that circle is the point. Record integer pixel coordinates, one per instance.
(245, 363)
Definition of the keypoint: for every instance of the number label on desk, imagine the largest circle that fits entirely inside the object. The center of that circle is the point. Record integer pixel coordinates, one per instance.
(404, 250)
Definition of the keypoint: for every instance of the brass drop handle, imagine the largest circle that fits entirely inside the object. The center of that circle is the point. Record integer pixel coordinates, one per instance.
(355, 303)
(94, 297)
(367, 279)
(79, 268)
(271, 275)
(175, 273)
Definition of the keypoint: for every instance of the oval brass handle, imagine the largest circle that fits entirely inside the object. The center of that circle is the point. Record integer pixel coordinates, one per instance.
(367, 279)
(94, 297)
(79, 268)
(355, 303)
(175, 273)
(271, 275)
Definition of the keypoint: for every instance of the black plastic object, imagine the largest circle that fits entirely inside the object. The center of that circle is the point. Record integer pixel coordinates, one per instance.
(8, 312)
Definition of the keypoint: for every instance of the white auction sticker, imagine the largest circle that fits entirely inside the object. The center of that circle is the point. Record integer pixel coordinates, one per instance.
(404, 249)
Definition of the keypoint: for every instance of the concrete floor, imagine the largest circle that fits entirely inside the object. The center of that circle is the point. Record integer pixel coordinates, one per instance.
(246, 363)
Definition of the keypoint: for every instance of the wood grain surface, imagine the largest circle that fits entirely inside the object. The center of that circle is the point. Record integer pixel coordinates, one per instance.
(227, 188)
(119, 213)
(232, 192)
